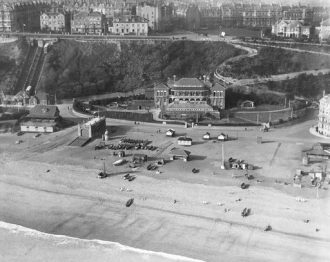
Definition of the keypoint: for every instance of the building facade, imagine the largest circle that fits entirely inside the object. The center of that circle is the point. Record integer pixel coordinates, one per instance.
(291, 29)
(42, 119)
(87, 23)
(261, 16)
(52, 21)
(193, 18)
(6, 18)
(132, 25)
(323, 126)
(188, 97)
(324, 30)
(152, 13)
(93, 128)
(210, 17)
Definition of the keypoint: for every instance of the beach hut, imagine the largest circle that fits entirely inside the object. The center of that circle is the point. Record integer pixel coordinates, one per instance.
(207, 136)
(222, 137)
(170, 132)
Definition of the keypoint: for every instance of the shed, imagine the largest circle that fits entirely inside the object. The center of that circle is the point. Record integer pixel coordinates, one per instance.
(178, 153)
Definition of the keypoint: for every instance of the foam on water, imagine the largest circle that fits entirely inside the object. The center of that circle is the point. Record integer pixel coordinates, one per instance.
(60, 240)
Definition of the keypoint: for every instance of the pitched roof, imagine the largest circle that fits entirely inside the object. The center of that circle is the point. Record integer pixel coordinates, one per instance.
(161, 86)
(321, 149)
(218, 87)
(191, 82)
(44, 111)
(179, 152)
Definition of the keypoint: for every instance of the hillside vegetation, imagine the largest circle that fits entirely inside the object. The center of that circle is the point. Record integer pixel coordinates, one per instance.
(81, 68)
(309, 86)
(12, 56)
(273, 61)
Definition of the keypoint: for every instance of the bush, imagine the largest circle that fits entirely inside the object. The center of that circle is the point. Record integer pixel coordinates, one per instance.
(74, 65)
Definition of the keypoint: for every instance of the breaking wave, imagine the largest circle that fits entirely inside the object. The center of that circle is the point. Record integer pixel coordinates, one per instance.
(61, 241)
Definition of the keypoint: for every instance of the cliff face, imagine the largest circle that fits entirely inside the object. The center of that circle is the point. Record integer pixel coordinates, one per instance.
(80, 68)
(12, 57)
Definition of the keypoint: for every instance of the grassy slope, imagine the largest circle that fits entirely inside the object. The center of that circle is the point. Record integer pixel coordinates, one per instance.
(272, 61)
(76, 68)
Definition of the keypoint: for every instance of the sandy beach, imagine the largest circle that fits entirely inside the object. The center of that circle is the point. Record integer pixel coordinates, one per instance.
(52, 188)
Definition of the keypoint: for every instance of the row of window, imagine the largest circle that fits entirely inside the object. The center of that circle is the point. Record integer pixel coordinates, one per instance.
(189, 109)
(129, 31)
(49, 23)
(131, 24)
(164, 93)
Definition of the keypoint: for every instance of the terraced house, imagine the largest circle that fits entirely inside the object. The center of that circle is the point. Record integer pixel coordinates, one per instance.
(52, 21)
(129, 25)
(87, 23)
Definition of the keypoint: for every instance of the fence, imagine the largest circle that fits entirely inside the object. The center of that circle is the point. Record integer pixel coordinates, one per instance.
(269, 116)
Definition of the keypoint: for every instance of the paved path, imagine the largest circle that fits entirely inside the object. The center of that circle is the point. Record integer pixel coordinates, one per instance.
(253, 52)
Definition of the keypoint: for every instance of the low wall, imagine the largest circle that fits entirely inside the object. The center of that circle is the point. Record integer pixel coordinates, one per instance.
(269, 116)
(126, 115)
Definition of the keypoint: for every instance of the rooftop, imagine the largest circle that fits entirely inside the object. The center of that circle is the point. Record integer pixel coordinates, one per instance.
(93, 121)
(44, 112)
(179, 152)
(218, 87)
(191, 82)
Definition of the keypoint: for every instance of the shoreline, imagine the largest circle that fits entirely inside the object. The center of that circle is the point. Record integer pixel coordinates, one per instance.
(55, 244)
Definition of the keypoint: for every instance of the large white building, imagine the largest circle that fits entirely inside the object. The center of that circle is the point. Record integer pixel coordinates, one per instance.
(324, 30)
(291, 28)
(52, 21)
(133, 25)
(151, 13)
(324, 116)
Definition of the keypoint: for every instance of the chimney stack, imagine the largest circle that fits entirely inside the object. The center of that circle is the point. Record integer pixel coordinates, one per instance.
(174, 77)
(204, 76)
